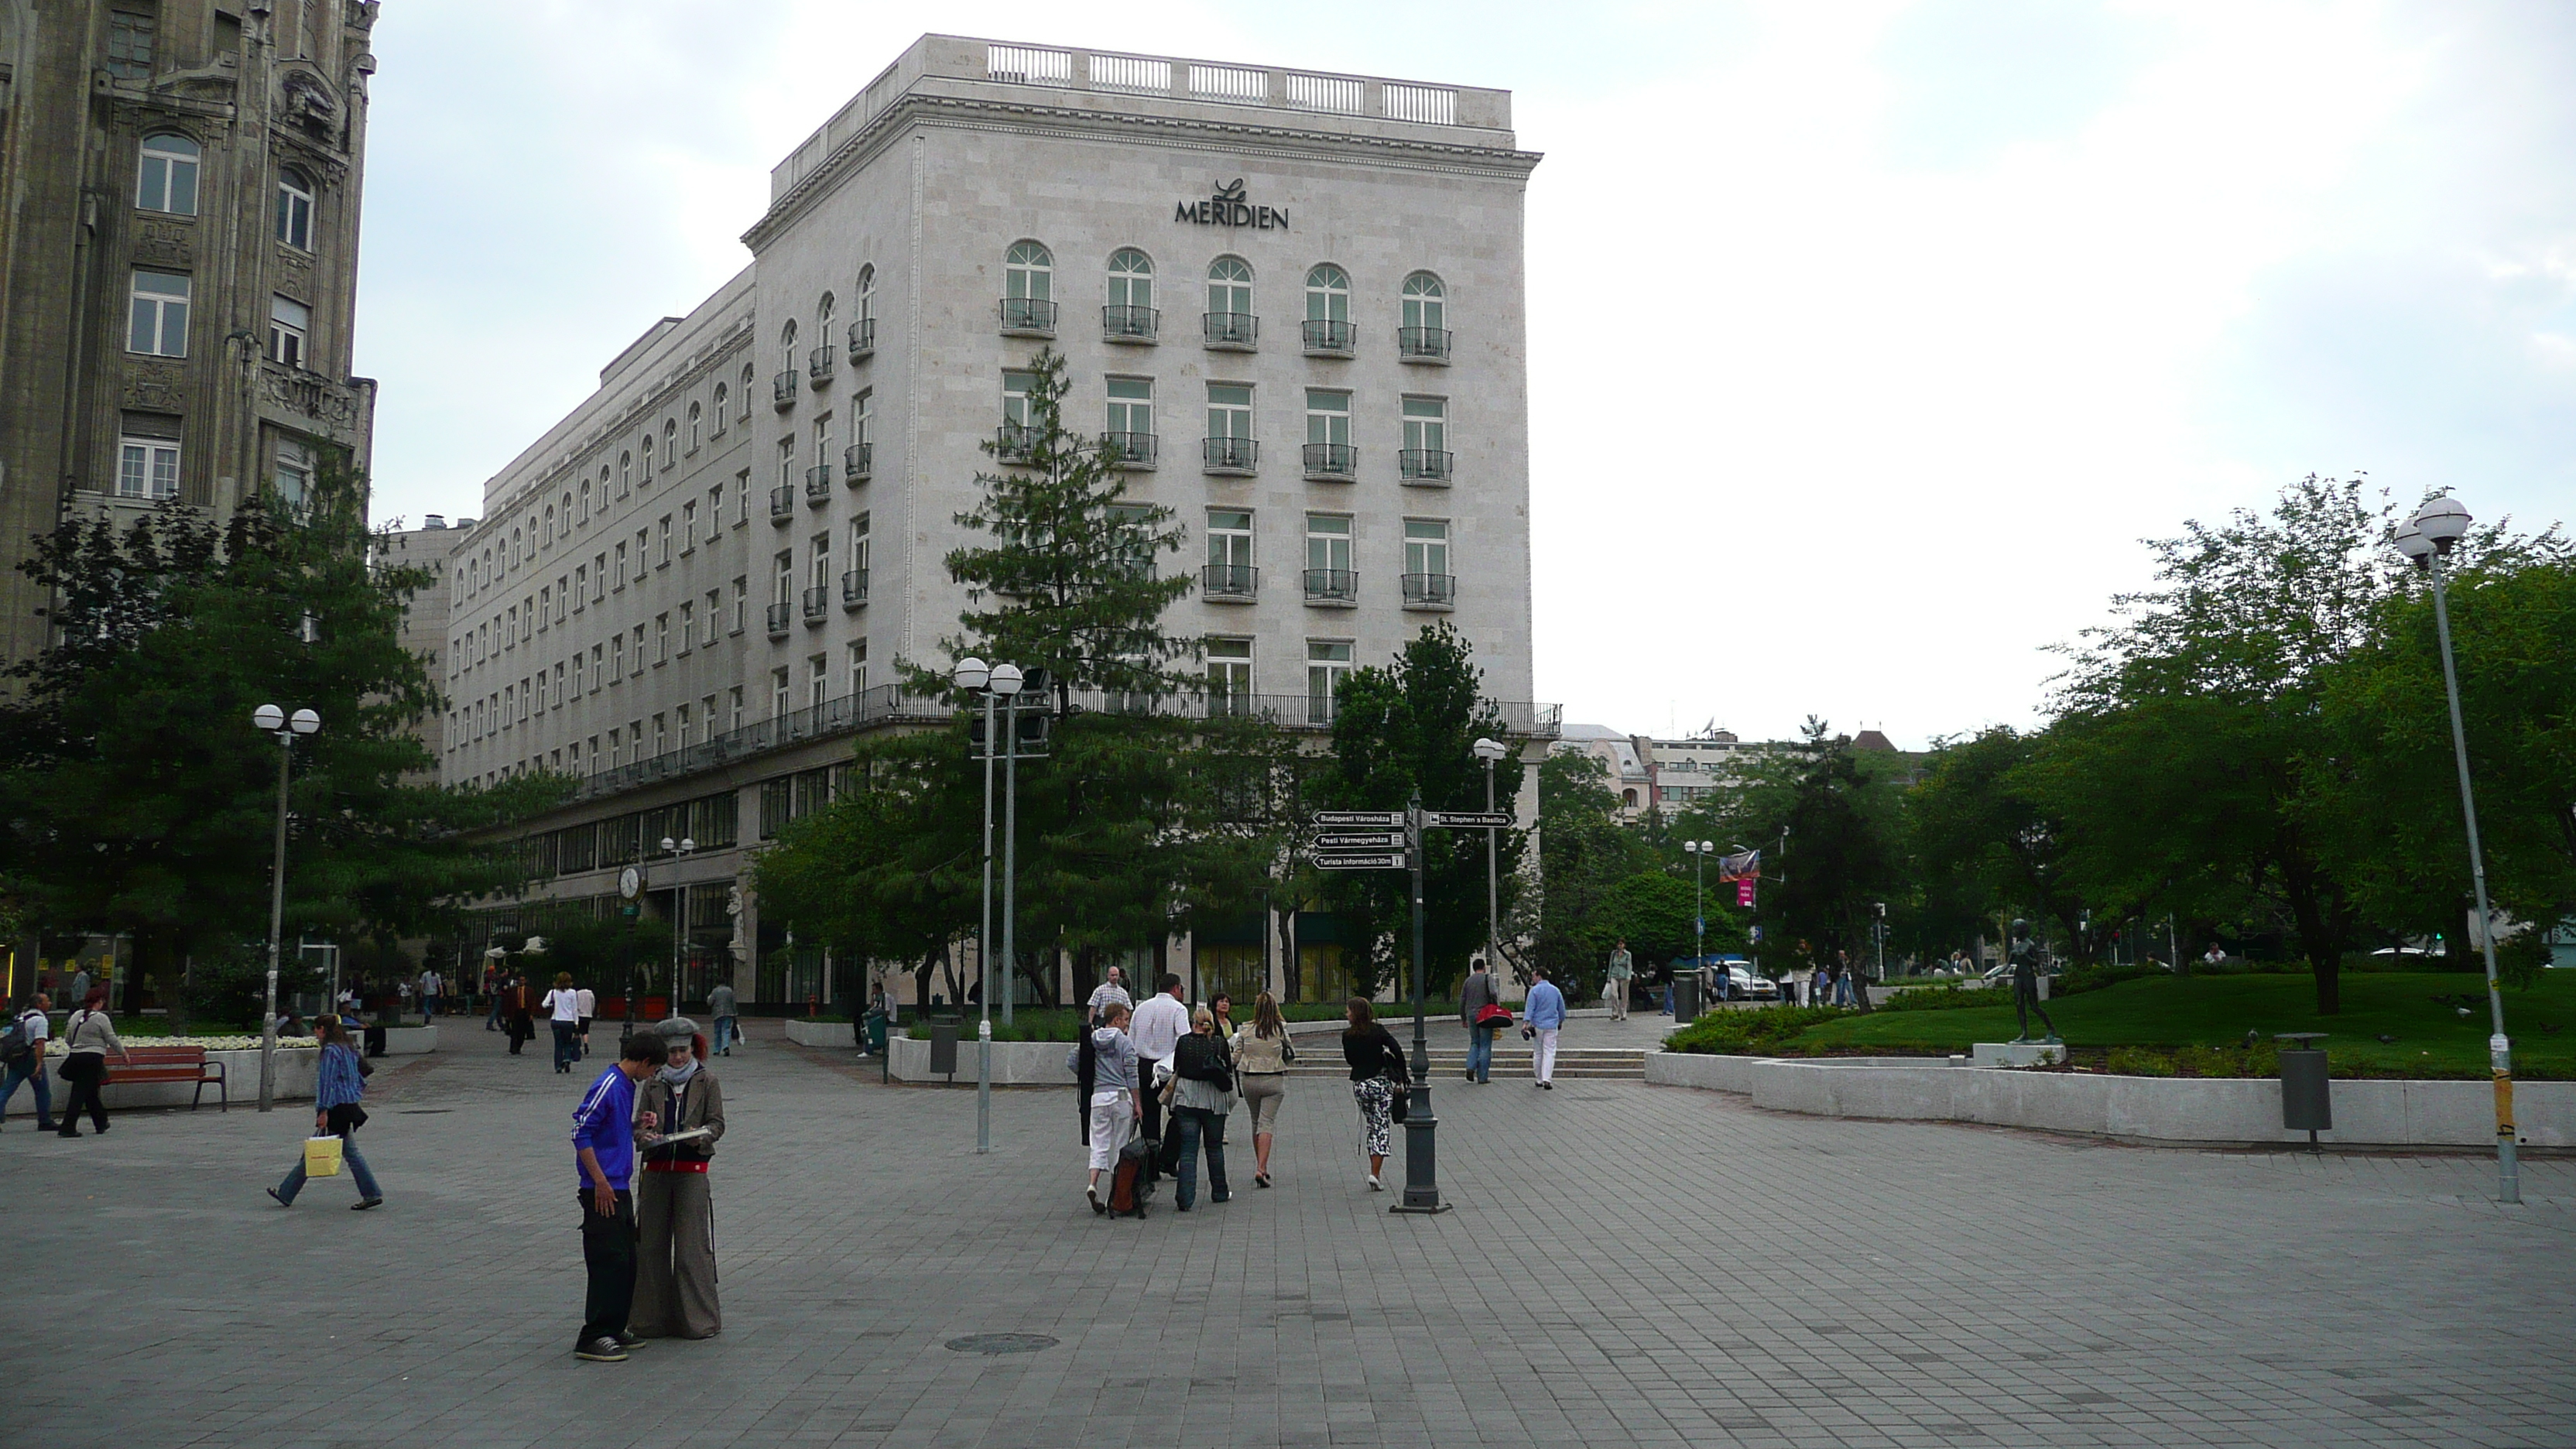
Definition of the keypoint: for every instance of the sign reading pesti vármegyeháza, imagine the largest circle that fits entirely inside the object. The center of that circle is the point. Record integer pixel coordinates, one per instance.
(1225, 206)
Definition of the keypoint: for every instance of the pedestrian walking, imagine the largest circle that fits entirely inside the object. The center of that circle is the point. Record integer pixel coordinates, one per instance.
(1112, 989)
(342, 1081)
(587, 1006)
(87, 1039)
(427, 986)
(1157, 1029)
(1377, 1074)
(1262, 1056)
(563, 1011)
(1104, 1062)
(1202, 1098)
(722, 1005)
(519, 1017)
(1614, 986)
(80, 985)
(492, 984)
(22, 1058)
(1222, 1005)
(1542, 1017)
(1474, 1000)
(675, 1211)
(603, 1142)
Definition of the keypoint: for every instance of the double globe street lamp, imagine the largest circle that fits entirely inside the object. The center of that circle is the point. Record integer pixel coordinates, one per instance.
(997, 684)
(2428, 538)
(287, 729)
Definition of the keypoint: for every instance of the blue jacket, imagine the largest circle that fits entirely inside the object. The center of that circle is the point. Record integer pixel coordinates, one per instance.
(1545, 1008)
(605, 1123)
(340, 1083)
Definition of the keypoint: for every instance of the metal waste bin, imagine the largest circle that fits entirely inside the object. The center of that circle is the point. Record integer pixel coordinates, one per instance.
(1685, 997)
(2306, 1103)
(943, 1048)
(875, 1027)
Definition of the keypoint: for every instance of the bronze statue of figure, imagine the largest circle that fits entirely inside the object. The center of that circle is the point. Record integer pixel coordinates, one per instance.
(2025, 980)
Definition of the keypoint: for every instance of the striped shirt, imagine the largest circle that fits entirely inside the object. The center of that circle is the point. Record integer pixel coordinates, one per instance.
(340, 1084)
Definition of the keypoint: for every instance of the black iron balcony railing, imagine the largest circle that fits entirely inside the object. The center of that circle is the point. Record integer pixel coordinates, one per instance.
(1229, 581)
(818, 484)
(1332, 586)
(818, 365)
(818, 602)
(1230, 455)
(782, 503)
(854, 588)
(1430, 591)
(1130, 324)
(1325, 338)
(1015, 442)
(778, 618)
(859, 462)
(863, 338)
(1028, 317)
(1422, 344)
(1425, 465)
(1332, 460)
(1237, 331)
(782, 390)
(1132, 450)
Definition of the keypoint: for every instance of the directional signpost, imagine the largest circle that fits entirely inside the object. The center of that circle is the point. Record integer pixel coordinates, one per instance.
(1469, 819)
(1390, 860)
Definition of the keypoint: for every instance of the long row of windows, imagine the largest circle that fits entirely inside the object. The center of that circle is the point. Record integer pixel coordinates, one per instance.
(1231, 678)
(1129, 315)
(710, 822)
(1330, 576)
(1229, 447)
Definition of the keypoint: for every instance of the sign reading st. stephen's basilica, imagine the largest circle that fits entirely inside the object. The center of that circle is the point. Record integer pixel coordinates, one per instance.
(1226, 207)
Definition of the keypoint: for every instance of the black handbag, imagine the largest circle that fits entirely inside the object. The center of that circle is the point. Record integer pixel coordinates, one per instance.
(1400, 1104)
(346, 1118)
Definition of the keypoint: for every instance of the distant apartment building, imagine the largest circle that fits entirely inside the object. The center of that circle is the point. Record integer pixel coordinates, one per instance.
(424, 627)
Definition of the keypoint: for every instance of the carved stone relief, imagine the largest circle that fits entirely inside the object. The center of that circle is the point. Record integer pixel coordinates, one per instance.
(161, 239)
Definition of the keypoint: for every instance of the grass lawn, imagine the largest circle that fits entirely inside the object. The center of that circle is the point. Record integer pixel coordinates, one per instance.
(2432, 1038)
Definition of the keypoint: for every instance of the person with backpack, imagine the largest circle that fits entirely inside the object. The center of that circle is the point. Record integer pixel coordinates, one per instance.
(1202, 1094)
(341, 1081)
(22, 1057)
(87, 1039)
(1104, 1062)
(1377, 1074)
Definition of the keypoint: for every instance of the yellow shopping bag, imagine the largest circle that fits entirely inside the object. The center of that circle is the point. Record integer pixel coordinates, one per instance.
(321, 1157)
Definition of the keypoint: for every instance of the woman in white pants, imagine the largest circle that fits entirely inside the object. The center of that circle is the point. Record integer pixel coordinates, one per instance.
(1109, 1089)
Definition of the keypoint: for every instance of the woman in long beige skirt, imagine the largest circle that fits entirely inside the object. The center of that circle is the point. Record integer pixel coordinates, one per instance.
(675, 1215)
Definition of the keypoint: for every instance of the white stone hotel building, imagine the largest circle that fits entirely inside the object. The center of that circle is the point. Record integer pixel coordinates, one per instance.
(1297, 298)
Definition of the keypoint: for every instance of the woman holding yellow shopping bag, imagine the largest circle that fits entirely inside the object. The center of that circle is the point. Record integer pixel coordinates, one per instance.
(336, 1114)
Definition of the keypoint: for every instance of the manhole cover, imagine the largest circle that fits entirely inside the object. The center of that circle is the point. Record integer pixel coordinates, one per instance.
(992, 1343)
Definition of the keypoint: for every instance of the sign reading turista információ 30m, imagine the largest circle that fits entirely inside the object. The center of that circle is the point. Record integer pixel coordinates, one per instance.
(1225, 206)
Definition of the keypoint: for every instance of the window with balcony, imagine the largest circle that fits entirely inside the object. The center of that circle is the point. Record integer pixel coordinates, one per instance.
(1423, 333)
(1329, 579)
(157, 315)
(1019, 434)
(1425, 457)
(863, 327)
(854, 582)
(1328, 663)
(818, 680)
(818, 363)
(1130, 428)
(782, 386)
(1028, 290)
(1229, 574)
(1427, 580)
(1229, 322)
(289, 323)
(818, 477)
(295, 209)
(1229, 676)
(778, 692)
(1130, 315)
(858, 462)
(858, 667)
(1329, 453)
(1229, 447)
(1327, 327)
(166, 178)
(147, 457)
(818, 577)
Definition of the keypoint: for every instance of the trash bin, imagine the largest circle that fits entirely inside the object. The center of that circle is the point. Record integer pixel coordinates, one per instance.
(2306, 1103)
(943, 1048)
(875, 1026)
(1685, 997)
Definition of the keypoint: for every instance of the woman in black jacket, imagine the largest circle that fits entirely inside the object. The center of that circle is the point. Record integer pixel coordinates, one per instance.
(1377, 1074)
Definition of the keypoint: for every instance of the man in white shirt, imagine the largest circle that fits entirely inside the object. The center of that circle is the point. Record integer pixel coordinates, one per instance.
(1113, 989)
(429, 995)
(1157, 1030)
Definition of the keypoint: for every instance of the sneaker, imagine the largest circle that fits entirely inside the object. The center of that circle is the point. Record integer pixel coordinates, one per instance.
(364, 1203)
(1092, 1191)
(600, 1350)
(630, 1341)
(1221, 1197)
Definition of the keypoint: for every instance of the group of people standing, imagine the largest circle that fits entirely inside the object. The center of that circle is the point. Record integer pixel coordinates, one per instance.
(1134, 1061)
(642, 1138)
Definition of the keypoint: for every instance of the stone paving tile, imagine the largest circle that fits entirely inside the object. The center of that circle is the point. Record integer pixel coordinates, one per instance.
(1626, 1265)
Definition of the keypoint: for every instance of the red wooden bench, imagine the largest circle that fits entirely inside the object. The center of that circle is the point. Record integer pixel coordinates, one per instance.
(184, 1064)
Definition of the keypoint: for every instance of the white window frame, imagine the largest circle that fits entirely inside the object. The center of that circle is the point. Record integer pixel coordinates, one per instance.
(294, 209)
(147, 467)
(1229, 282)
(166, 175)
(1333, 543)
(157, 317)
(290, 331)
(1423, 547)
(1325, 422)
(1131, 284)
(1328, 293)
(1028, 272)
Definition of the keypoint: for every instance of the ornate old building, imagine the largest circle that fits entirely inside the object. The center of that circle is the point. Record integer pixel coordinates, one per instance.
(179, 199)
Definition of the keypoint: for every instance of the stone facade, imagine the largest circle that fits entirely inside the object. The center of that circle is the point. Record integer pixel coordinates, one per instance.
(178, 259)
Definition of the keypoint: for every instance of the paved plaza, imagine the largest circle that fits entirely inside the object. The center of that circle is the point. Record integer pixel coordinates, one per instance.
(1626, 1265)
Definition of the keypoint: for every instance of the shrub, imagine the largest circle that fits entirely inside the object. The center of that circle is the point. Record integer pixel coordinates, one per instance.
(1949, 996)
(1753, 1032)
(2139, 1062)
(2081, 979)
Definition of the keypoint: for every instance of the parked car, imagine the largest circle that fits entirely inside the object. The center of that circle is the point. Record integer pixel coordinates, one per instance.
(1744, 985)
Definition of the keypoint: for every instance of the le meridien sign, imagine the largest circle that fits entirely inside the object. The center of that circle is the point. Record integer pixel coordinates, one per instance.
(1225, 206)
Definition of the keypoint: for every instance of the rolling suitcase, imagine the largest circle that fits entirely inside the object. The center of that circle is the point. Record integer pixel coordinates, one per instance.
(1132, 1186)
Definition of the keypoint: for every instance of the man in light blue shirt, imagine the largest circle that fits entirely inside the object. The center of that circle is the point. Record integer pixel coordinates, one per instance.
(1543, 1015)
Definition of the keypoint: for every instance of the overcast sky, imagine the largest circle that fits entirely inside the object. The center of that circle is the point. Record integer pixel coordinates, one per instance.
(1865, 340)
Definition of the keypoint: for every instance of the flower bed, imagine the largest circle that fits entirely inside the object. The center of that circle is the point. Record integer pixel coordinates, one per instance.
(211, 1043)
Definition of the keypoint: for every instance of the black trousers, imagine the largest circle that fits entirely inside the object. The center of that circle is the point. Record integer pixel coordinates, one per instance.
(1153, 1124)
(608, 1252)
(84, 1070)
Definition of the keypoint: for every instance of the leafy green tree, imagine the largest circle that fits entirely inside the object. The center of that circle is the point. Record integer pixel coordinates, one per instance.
(1584, 851)
(1981, 841)
(136, 794)
(1405, 729)
(1846, 854)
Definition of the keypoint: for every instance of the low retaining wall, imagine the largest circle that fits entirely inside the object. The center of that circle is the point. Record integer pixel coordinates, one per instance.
(296, 1069)
(410, 1041)
(2367, 1113)
(1015, 1063)
(821, 1034)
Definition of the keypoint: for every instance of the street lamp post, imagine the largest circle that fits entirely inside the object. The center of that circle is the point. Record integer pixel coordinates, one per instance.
(1699, 852)
(681, 848)
(1491, 751)
(2427, 539)
(274, 720)
(997, 683)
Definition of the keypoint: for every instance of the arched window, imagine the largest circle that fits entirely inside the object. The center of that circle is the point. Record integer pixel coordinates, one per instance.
(693, 418)
(625, 473)
(670, 443)
(567, 513)
(866, 321)
(295, 209)
(1130, 315)
(1028, 272)
(167, 178)
(823, 318)
(1229, 302)
(644, 448)
(1424, 332)
(585, 500)
(787, 345)
(747, 375)
(719, 410)
(550, 525)
(1328, 309)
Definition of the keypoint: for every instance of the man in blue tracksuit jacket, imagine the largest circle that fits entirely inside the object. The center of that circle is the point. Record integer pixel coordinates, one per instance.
(1542, 1016)
(603, 1143)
